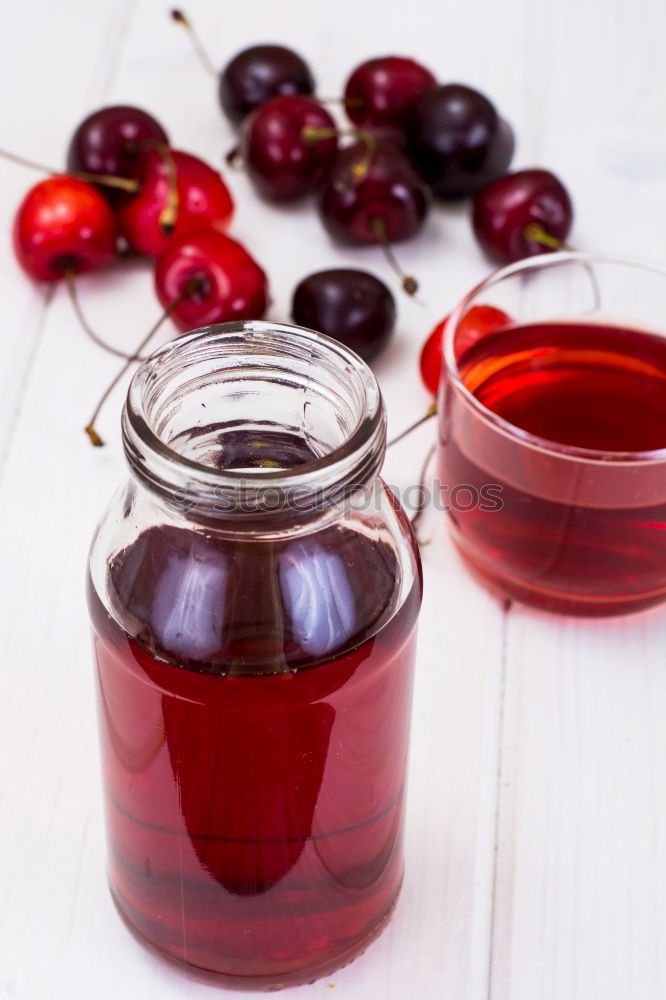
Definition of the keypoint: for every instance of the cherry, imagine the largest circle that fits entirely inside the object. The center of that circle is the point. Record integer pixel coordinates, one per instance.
(110, 141)
(254, 75)
(178, 194)
(225, 283)
(288, 144)
(432, 357)
(477, 323)
(458, 141)
(351, 306)
(259, 73)
(63, 226)
(381, 93)
(522, 214)
(374, 196)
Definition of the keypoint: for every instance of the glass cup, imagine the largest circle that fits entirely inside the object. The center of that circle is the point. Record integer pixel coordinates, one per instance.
(579, 530)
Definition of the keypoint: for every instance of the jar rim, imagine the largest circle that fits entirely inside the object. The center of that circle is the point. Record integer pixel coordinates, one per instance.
(354, 461)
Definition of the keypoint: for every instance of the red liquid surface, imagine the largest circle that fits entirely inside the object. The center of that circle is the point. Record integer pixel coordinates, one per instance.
(568, 534)
(254, 712)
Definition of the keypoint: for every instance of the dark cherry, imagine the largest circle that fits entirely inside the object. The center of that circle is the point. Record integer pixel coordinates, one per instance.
(522, 214)
(351, 306)
(110, 141)
(373, 195)
(477, 323)
(63, 225)
(458, 141)
(203, 201)
(381, 93)
(258, 73)
(288, 146)
(226, 282)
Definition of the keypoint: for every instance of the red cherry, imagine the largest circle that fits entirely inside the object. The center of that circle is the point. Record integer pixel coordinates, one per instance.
(432, 357)
(227, 282)
(352, 306)
(522, 214)
(63, 225)
(110, 141)
(259, 73)
(382, 92)
(254, 75)
(373, 196)
(283, 153)
(477, 323)
(203, 201)
(458, 142)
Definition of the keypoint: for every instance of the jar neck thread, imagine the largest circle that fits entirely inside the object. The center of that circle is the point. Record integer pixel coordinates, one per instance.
(254, 423)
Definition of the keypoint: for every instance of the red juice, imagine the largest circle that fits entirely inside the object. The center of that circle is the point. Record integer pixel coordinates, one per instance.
(254, 773)
(580, 519)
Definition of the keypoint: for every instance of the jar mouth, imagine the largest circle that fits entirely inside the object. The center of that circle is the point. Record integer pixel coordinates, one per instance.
(263, 382)
(524, 267)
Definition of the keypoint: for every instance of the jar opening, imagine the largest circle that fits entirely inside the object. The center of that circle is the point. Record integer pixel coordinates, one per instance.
(225, 415)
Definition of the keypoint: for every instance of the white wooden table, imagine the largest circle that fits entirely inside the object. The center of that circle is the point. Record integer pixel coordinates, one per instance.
(537, 813)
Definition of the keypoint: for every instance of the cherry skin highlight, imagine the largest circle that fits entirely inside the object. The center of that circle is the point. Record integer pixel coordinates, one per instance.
(373, 197)
(203, 201)
(63, 225)
(351, 306)
(381, 93)
(288, 144)
(110, 141)
(227, 282)
(477, 323)
(458, 141)
(259, 73)
(522, 214)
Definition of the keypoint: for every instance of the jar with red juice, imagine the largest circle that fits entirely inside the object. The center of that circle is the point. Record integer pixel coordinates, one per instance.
(254, 590)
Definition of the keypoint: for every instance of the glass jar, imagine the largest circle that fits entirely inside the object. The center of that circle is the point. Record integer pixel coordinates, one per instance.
(254, 590)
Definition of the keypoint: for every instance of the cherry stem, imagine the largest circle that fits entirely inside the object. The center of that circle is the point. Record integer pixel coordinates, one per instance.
(421, 506)
(314, 133)
(181, 18)
(409, 283)
(169, 214)
(432, 410)
(168, 217)
(71, 288)
(357, 171)
(90, 430)
(106, 180)
(233, 156)
(534, 232)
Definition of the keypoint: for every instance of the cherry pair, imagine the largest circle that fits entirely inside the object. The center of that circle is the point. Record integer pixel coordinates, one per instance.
(156, 199)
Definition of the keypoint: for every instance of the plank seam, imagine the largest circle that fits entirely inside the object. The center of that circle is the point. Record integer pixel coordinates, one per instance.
(498, 796)
(116, 59)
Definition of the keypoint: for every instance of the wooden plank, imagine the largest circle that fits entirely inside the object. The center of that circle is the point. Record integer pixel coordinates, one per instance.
(41, 40)
(46, 811)
(581, 877)
(581, 880)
